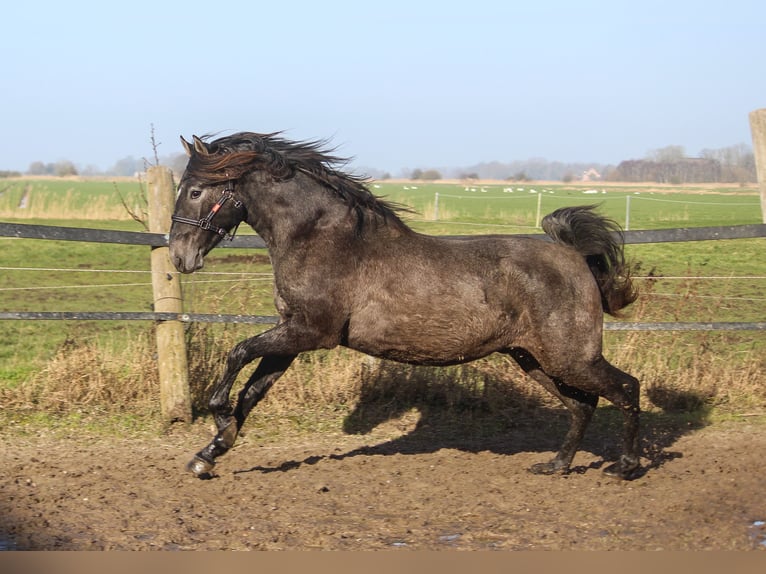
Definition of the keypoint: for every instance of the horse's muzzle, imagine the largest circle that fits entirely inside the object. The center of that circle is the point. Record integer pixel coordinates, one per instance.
(186, 261)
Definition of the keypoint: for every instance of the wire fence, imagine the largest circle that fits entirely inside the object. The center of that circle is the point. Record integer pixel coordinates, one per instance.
(243, 241)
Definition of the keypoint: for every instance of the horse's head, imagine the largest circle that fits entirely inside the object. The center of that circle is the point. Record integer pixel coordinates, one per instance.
(206, 211)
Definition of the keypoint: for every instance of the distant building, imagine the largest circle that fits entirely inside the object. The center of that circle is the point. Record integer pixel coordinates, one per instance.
(590, 175)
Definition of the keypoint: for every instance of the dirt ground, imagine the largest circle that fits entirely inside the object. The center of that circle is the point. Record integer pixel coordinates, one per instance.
(399, 487)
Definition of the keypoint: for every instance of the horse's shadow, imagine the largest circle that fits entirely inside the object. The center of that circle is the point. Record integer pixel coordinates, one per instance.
(473, 410)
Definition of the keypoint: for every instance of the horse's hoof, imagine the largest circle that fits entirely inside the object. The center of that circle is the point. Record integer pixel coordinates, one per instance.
(546, 468)
(623, 470)
(200, 467)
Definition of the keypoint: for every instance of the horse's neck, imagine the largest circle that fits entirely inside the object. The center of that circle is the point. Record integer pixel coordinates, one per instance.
(295, 211)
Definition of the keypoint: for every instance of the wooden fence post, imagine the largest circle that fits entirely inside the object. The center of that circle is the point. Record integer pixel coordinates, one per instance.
(758, 130)
(175, 398)
(538, 220)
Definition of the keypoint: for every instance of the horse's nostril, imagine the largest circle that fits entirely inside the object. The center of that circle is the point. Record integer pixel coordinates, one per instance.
(176, 260)
(186, 264)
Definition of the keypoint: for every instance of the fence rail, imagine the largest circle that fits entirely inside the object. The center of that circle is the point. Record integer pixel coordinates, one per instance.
(28, 231)
(272, 320)
(136, 316)
(681, 234)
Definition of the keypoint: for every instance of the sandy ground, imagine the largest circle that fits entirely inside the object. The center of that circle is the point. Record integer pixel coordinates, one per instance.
(399, 487)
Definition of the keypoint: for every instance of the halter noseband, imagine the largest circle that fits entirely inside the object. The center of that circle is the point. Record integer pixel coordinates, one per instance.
(207, 221)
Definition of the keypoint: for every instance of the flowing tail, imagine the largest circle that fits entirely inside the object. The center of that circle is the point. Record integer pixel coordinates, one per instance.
(600, 241)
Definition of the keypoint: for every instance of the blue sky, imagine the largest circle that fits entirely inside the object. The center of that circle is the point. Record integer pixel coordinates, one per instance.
(396, 84)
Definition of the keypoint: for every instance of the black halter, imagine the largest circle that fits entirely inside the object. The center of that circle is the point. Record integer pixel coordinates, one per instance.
(207, 221)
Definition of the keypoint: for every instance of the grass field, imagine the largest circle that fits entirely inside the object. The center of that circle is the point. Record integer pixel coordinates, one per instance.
(69, 198)
(460, 207)
(109, 367)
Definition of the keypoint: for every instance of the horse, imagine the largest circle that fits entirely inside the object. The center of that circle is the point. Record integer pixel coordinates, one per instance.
(348, 271)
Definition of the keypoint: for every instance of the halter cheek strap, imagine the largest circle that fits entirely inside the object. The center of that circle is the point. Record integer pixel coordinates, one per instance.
(206, 222)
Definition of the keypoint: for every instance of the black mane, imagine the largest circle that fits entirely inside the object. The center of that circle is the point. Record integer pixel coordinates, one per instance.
(231, 157)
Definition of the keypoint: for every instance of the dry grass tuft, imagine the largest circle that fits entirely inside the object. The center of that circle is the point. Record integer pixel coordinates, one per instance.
(690, 371)
(679, 373)
(88, 376)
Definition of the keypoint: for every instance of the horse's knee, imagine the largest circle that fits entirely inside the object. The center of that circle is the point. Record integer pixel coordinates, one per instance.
(619, 388)
(631, 386)
(218, 404)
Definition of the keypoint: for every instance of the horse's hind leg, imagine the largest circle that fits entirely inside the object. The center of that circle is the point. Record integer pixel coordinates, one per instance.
(229, 421)
(593, 379)
(622, 390)
(580, 404)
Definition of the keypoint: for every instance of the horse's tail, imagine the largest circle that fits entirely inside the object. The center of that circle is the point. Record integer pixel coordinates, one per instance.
(600, 241)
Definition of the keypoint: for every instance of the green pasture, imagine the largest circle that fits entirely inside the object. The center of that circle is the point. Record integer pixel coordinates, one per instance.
(70, 199)
(698, 281)
(462, 209)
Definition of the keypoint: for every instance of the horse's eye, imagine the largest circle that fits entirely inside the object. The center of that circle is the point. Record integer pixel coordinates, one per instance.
(195, 193)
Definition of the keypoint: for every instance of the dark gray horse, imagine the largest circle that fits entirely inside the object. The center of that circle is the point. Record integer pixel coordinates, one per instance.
(348, 271)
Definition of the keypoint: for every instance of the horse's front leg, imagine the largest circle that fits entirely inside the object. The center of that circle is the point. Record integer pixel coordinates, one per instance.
(229, 420)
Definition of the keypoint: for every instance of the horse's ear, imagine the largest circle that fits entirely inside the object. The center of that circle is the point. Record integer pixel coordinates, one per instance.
(200, 147)
(187, 146)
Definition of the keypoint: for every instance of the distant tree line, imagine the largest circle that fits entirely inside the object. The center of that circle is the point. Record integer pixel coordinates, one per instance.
(60, 168)
(669, 164)
(127, 166)
(684, 170)
(425, 175)
(130, 165)
(531, 169)
(735, 164)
